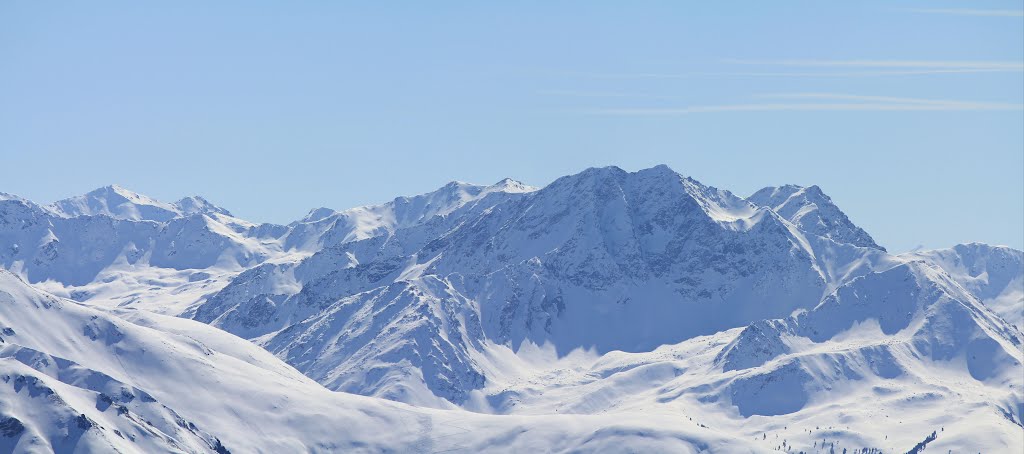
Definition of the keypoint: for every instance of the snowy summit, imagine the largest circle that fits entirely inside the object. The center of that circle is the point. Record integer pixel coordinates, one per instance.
(609, 311)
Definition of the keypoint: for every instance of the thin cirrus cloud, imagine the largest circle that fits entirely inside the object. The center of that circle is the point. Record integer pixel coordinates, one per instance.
(888, 64)
(804, 74)
(830, 69)
(872, 68)
(968, 12)
(818, 102)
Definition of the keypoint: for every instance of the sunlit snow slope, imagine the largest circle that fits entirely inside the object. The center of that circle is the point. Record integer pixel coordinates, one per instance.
(642, 298)
(77, 379)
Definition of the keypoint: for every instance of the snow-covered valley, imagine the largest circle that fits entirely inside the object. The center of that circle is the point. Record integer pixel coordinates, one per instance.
(608, 311)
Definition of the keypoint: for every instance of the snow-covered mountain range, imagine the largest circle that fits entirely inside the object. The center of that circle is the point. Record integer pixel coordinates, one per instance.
(608, 310)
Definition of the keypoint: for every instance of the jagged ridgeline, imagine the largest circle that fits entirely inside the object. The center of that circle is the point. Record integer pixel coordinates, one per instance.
(604, 292)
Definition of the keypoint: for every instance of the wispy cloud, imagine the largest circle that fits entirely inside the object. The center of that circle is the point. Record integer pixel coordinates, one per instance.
(889, 64)
(968, 12)
(805, 74)
(816, 68)
(829, 102)
(871, 98)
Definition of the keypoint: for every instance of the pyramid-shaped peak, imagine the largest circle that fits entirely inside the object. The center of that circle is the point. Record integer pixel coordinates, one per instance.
(114, 190)
(511, 185)
(198, 205)
(119, 202)
(813, 211)
(318, 214)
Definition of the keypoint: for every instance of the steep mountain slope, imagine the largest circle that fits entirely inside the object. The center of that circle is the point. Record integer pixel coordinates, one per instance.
(659, 312)
(994, 274)
(880, 363)
(76, 379)
(910, 331)
(606, 249)
(604, 260)
(120, 203)
(115, 247)
(813, 212)
(326, 227)
(44, 245)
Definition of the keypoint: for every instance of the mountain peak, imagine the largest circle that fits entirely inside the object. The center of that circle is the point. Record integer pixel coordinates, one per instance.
(510, 185)
(455, 184)
(604, 171)
(611, 181)
(6, 196)
(658, 171)
(662, 168)
(122, 203)
(121, 191)
(116, 202)
(198, 205)
(317, 214)
(811, 210)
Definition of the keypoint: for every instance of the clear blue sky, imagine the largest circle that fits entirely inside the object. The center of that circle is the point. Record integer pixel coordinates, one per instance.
(907, 113)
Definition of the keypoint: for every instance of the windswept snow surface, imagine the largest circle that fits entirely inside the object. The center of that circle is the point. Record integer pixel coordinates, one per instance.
(607, 311)
(995, 274)
(80, 379)
(813, 211)
(117, 202)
